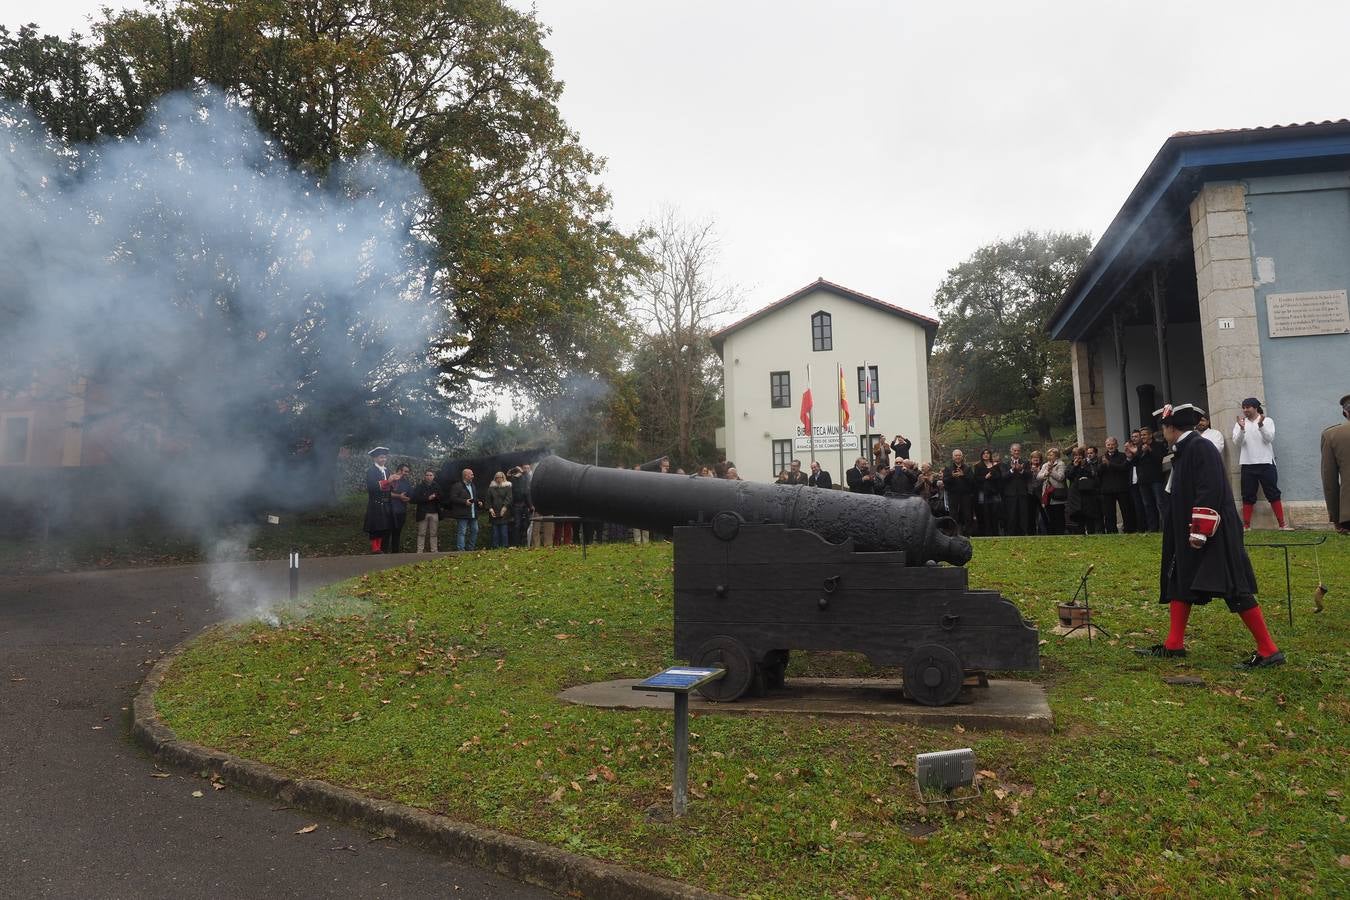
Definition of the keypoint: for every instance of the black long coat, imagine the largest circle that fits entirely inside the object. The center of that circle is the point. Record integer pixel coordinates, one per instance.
(1221, 568)
(379, 516)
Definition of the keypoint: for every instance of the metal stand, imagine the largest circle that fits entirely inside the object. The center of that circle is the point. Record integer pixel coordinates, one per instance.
(1087, 609)
(680, 680)
(1288, 589)
(295, 573)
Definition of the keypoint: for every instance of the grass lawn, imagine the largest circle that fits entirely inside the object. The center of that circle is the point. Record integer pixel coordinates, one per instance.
(433, 685)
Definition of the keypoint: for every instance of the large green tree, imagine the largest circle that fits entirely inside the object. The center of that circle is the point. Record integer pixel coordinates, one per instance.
(994, 307)
(527, 260)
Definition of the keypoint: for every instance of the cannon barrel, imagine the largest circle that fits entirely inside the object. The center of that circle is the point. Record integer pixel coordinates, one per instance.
(657, 502)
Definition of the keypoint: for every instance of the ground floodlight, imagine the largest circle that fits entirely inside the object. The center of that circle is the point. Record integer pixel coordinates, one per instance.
(944, 771)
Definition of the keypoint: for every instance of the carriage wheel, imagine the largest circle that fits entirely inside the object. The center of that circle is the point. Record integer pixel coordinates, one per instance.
(742, 677)
(933, 675)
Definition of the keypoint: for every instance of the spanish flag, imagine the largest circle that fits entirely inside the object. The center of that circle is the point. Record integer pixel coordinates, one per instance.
(843, 401)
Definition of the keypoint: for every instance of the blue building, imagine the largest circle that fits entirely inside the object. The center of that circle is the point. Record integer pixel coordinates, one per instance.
(1224, 276)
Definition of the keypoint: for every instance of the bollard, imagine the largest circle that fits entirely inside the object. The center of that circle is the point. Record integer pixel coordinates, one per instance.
(295, 573)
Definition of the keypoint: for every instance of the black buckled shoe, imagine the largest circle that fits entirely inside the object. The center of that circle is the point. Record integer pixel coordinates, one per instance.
(1257, 661)
(1160, 650)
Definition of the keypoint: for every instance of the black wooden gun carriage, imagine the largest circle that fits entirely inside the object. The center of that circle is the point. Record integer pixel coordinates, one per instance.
(761, 570)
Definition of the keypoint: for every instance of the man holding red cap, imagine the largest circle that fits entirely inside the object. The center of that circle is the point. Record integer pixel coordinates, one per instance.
(1202, 553)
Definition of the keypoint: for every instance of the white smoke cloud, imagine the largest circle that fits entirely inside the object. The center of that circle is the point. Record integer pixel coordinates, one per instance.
(210, 292)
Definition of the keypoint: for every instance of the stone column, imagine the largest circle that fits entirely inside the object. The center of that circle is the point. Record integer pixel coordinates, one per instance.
(1228, 325)
(1089, 401)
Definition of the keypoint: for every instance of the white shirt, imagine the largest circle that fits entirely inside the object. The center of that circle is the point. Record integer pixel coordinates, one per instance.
(1257, 445)
(1215, 437)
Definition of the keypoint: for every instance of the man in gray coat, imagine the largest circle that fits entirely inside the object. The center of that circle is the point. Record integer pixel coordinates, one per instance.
(1336, 470)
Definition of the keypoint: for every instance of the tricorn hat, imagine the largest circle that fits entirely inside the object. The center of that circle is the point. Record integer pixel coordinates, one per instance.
(1184, 416)
(377, 451)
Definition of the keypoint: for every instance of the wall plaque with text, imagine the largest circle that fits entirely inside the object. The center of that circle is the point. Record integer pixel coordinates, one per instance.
(1310, 312)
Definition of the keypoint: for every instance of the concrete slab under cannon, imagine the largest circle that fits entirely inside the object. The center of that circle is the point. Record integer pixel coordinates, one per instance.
(1002, 706)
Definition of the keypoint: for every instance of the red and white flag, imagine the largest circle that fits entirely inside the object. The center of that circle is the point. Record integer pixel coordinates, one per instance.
(806, 410)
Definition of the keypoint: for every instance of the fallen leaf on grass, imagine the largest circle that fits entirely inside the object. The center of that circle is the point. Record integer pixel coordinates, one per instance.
(198, 794)
(159, 774)
(983, 773)
(555, 796)
(219, 786)
(312, 826)
(576, 787)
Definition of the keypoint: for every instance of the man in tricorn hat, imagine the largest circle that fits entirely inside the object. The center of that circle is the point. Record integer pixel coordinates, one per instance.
(379, 521)
(1202, 552)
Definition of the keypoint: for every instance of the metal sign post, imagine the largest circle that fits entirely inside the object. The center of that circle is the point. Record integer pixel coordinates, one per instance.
(295, 573)
(680, 680)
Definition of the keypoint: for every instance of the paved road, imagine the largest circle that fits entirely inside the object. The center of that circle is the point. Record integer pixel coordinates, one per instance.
(80, 814)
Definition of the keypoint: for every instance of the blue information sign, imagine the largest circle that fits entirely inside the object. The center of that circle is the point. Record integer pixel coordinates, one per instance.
(679, 679)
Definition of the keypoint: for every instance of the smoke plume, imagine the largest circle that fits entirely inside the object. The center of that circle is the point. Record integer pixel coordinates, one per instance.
(205, 302)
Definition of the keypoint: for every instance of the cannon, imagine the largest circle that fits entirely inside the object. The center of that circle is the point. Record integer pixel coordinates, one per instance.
(762, 570)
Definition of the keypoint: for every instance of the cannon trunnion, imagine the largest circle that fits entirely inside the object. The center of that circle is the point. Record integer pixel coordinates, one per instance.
(748, 594)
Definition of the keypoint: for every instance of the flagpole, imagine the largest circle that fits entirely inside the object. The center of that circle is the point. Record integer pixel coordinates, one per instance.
(867, 418)
(839, 414)
(811, 426)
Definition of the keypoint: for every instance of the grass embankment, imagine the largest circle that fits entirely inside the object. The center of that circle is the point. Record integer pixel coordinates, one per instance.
(333, 531)
(440, 694)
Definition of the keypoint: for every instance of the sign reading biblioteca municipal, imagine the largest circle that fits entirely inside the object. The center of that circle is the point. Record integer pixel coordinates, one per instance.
(827, 438)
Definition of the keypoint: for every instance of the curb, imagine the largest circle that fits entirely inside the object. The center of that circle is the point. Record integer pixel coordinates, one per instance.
(522, 860)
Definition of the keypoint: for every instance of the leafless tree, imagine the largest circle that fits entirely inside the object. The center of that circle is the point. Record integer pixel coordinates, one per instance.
(679, 301)
(948, 403)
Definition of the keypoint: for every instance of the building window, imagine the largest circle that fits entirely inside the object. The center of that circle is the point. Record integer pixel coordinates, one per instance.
(862, 386)
(822, 333)
(782, 455)
(780, 390)
(14, 440)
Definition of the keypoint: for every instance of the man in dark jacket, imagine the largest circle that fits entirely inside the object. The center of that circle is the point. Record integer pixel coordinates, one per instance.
(1203, 556)
(379, 518)
(819, 477)
(900, 447)
(1114, 473)
(464, 506)
(795, 473)
(1148, 466)
(520, 503)
(427, 496)
(959, 483)
(860, 479)
(1017, 475)
(400, 495)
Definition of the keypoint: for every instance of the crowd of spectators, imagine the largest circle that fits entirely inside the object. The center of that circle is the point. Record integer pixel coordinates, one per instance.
(1077, 490)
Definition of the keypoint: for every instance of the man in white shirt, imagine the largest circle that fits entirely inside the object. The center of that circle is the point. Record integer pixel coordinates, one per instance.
(1254, 436)
(1211, 434)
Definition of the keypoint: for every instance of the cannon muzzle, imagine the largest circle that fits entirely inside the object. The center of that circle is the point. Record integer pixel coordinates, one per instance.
(657, 502)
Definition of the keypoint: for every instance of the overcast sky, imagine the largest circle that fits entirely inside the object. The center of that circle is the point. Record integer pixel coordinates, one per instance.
(877, 144)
